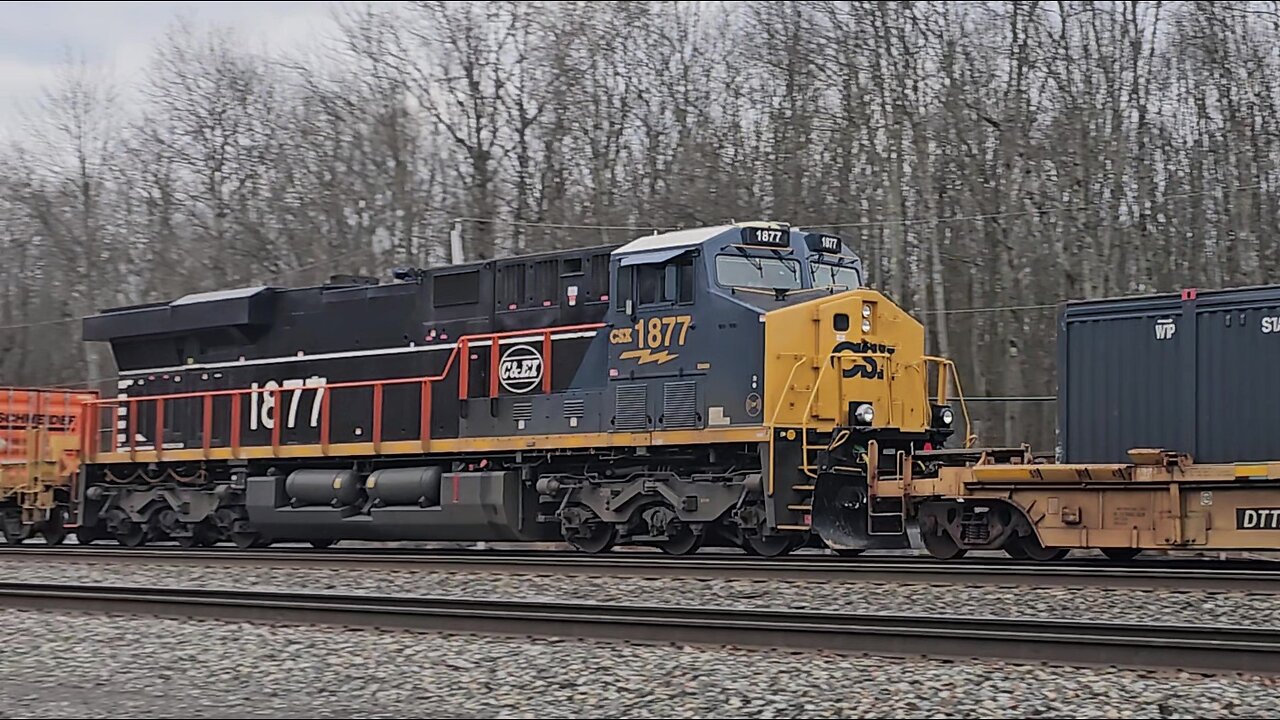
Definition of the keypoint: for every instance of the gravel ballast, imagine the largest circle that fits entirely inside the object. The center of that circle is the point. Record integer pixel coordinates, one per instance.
(1094, 603)
(98, 665)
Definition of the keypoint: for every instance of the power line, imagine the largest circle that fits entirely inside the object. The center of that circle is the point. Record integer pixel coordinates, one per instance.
(564, 226)
(1018, 213)
(993, 308)
(39, 323)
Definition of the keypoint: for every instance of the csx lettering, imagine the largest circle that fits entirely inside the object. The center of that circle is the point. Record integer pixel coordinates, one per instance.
(863, 366)
(620, 336)
(1258, 518)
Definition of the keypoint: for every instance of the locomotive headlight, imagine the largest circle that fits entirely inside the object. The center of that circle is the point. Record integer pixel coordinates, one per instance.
(864, 414)
(947, 416)
(866, 311)
(866, 326)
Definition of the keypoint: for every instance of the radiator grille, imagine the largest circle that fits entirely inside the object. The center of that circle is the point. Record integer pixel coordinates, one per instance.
(680, 404)
(631, 406)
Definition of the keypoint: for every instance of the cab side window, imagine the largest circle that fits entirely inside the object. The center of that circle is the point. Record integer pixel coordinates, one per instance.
(655, 284)
(684, 278)
(649, 288)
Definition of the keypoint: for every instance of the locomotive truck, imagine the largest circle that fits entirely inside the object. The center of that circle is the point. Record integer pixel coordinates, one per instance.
(717, 385)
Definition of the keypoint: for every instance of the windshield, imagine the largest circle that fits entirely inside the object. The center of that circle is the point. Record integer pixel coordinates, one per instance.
(826, 275)
(765, 273)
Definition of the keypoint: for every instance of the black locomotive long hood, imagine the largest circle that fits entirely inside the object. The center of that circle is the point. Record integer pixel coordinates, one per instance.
(239, 308)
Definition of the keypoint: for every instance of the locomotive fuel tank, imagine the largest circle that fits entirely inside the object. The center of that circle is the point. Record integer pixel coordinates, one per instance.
(335, 488)
(418, 503)
(418, 487)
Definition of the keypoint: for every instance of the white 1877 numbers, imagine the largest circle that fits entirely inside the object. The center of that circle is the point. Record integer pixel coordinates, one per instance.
(263, 401)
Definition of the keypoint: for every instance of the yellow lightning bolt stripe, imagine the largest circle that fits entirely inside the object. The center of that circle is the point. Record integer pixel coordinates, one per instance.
(643, 357)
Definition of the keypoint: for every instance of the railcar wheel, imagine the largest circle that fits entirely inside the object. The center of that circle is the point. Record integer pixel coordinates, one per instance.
(15, 533)
(940, 544)
(322, 544)
(1014, 549)
(54, 530)
(849, 552)
(1121, 554)
(53, 533)
(1035, 551)
(768, 545)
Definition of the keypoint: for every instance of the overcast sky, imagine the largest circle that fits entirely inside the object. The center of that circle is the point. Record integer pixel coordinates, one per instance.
(36, 36)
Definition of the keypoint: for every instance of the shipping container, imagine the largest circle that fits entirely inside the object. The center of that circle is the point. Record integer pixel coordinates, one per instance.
(1196, 372)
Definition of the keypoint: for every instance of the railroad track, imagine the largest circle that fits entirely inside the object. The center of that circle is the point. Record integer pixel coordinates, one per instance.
(1249, 577)
(1193, 648)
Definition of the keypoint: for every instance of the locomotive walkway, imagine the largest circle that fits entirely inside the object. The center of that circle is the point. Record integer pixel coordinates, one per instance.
(1192, 648)
(1152, 574)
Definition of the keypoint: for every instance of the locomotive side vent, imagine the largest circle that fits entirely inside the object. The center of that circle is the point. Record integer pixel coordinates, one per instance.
(575, 407)
(522, 410)
(680, 404)
(631, 406)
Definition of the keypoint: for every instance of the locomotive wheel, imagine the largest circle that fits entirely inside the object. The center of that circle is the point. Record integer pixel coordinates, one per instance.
(87, 534)
(187, 541)
(322, 544)
(940, 544)
(1121, 554)
(246, 540)
(768, 545)
(598, 539)
(849, 552)
(684, 541)
(133, 535)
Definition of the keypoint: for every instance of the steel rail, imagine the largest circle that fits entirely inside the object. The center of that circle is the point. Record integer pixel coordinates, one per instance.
(795, 568)
(1194, 648)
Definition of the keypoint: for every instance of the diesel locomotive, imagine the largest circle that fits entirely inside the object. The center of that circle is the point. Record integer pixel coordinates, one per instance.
(733, 385)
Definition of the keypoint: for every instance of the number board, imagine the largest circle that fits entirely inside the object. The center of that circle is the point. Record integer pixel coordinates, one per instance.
(822, 243)
(769, 237)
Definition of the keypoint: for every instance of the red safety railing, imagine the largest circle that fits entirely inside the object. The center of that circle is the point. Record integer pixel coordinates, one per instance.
(378, 388)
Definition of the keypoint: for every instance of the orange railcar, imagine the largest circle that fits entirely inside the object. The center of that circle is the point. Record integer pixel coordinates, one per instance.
(41, 443)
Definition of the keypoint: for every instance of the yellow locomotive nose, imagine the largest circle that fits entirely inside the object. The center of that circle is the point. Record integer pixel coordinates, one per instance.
(853, 359)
